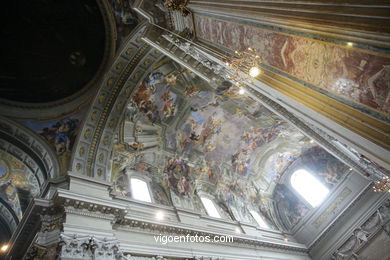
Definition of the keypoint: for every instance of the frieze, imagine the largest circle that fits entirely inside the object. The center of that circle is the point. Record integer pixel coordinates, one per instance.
(78, 247)
(120, 220)
(153, 228)
(362, 235)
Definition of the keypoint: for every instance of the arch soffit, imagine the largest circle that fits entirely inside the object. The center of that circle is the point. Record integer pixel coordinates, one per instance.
(92, 150)
(28, 147)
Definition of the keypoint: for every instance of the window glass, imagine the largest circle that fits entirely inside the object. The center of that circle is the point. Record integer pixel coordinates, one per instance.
(140, 190)
(259, 219)
(210, 207)
(311, 189)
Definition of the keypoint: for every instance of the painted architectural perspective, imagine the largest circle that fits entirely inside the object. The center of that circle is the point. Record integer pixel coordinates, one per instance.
(351, 74)
(202, 130)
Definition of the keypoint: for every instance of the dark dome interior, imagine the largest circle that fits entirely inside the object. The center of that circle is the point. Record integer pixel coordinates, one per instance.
(50, 48)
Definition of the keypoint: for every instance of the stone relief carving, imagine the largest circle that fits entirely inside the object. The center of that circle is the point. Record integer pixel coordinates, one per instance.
(37, 252)
(51, 222)
(362, 235)
(79, 247)
(177, 5)
(199, 55)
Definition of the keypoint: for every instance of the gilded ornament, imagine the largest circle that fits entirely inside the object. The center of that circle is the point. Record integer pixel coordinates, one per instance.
(118, 106)
(94, 115)
(16, 164)
(106, 140)
(111, 123)
(127, 90)
(99, 172)
(78, 166)
(177, 5)
(101, 98)
(129, 51)
(87, 133)
(101, 158)
(81, 151)
(19, 180)
(147, 62)
(110, 81)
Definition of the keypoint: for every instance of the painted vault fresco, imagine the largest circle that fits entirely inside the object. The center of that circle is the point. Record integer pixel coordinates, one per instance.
(60, 133)
(17, 183)
(351, 73)
(209, 139)
(321, 164)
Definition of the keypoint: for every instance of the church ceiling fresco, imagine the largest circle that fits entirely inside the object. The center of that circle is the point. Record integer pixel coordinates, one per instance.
(327, 169)
(209, 138)
(349, 73)
(17, 183)
(60, 133)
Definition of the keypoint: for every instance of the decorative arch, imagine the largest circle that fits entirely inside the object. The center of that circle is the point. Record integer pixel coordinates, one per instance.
(290, 206)
(27, 165)
(92, 152)
(32, 150)
(8, 221)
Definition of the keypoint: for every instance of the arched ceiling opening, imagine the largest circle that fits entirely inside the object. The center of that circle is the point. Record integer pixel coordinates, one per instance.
(27, 164)
(18, 183)
(18, 186)
(192, 137)
(50, 49)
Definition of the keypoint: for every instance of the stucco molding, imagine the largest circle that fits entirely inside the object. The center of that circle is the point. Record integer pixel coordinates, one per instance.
(122, 218)
(92, 154)
(29, 148)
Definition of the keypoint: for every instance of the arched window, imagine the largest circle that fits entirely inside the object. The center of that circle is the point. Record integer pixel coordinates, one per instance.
(210, 207)
(311, 189)
(259, 219)
(140, 190)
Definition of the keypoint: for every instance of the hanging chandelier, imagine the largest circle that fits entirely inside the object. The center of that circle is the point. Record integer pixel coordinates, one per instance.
(243, 67)
(382, 185)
